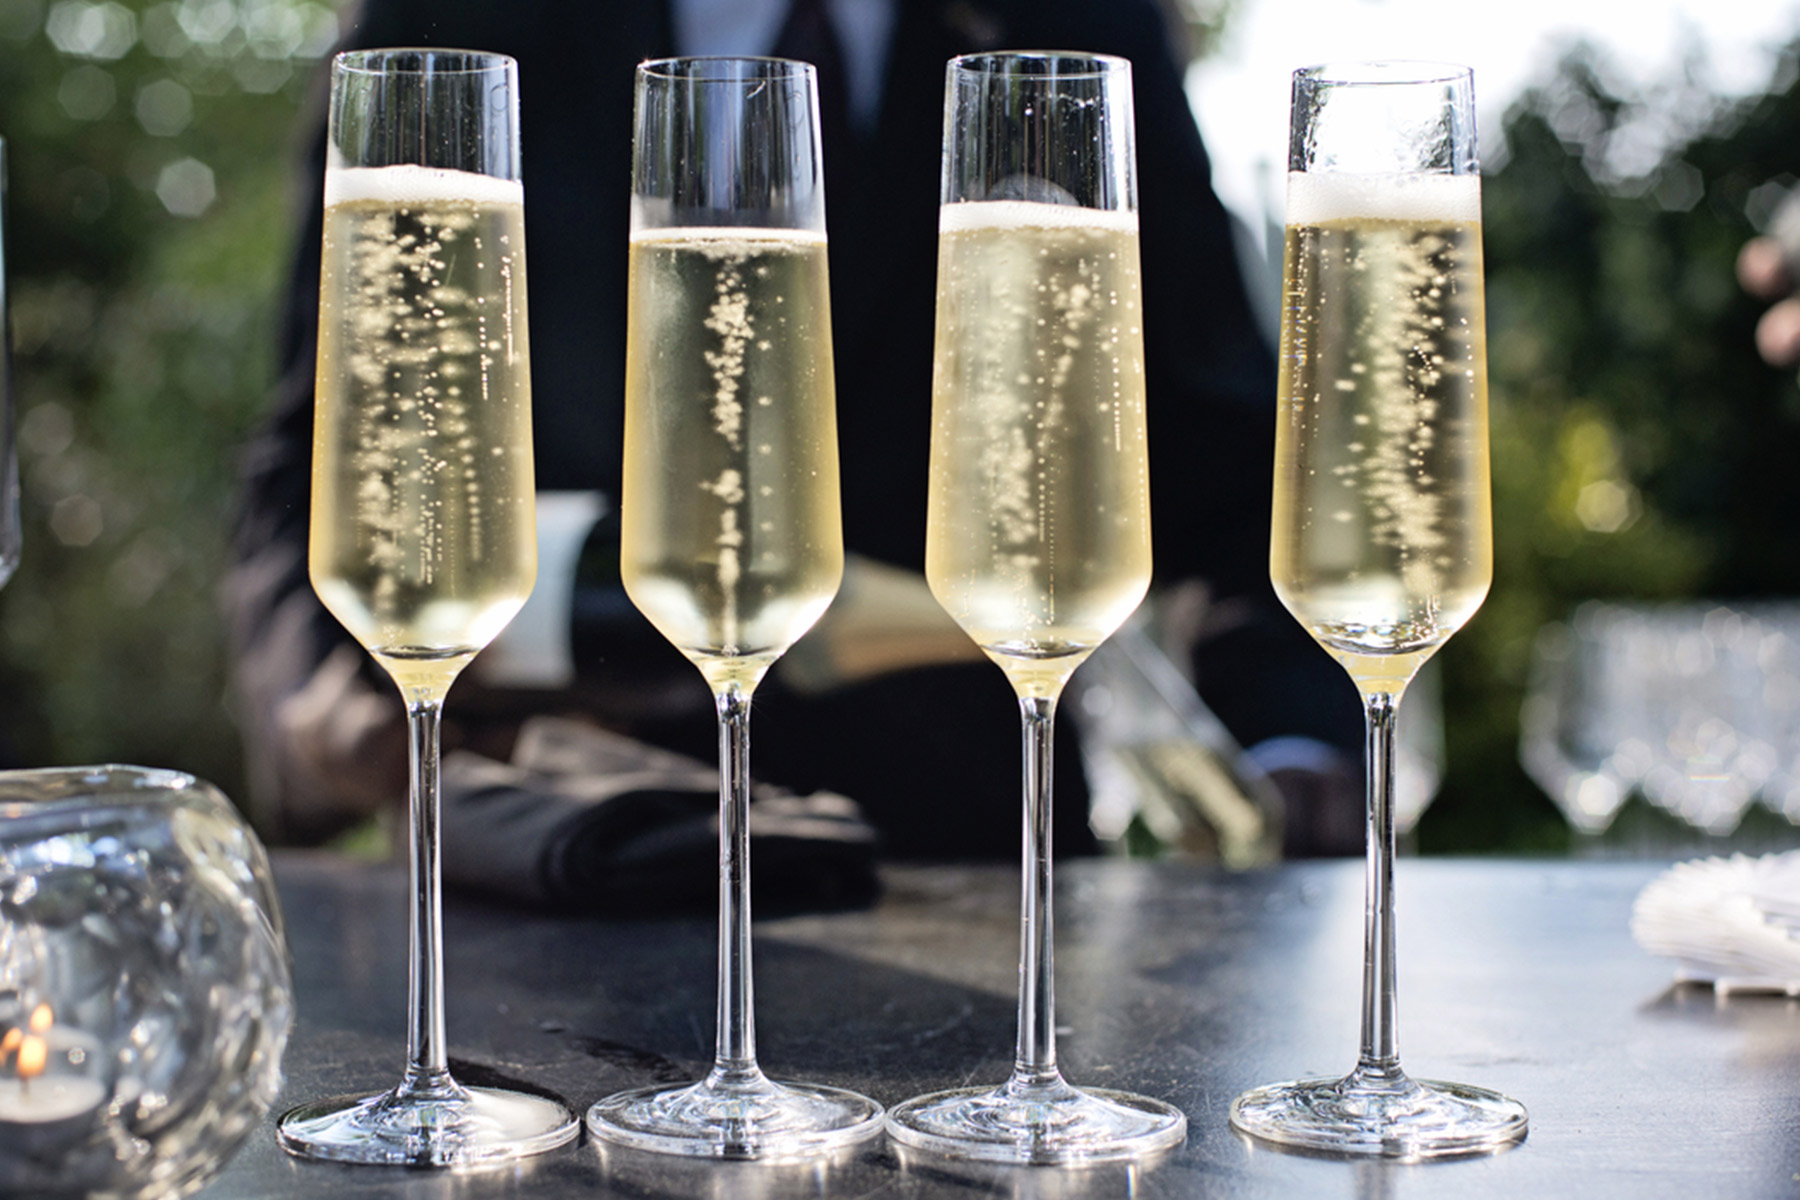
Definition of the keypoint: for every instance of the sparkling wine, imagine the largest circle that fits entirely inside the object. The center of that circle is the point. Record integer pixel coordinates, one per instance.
(1038, 527)
(422, 539)
(731, 538)
(1382, 541)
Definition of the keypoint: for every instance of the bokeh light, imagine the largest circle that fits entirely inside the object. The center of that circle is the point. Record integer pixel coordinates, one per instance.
(105, 31)
(186, 187)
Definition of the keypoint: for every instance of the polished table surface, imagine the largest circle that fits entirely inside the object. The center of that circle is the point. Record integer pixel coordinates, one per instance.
(1180, 981)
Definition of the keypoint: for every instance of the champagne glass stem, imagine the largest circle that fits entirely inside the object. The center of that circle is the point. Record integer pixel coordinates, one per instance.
(1034, 1062)
(1379, 1059)
(1377, 1109)
(428, 1119)
(1036, 1116)
(735, 1059)
(427, 1063)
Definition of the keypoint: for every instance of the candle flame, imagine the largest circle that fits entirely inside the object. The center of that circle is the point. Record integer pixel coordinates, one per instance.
(34, 1056)
(32, 1050)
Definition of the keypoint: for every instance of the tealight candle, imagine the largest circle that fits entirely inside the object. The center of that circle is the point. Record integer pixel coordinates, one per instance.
(26, 1102)
(35, 1094)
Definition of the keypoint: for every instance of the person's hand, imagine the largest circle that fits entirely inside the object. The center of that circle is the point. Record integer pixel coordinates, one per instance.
(1763, 271)
(339, 744)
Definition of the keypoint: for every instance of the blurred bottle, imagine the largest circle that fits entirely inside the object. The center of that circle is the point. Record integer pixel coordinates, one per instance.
(1163, 772)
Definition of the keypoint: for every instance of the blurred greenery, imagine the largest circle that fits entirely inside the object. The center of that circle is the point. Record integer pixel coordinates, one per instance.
(148, 229)
(1641, 450)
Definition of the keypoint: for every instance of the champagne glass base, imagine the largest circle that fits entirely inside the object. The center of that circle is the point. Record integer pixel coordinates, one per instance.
(1403, 1118)
(1044, 1123)
(458, 1127)
(743, 1119)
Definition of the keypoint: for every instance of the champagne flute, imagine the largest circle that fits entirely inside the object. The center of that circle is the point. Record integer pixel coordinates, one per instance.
(9, 451)
(731, 540)
(423, 541)
(1038, 530)
(1382, 541)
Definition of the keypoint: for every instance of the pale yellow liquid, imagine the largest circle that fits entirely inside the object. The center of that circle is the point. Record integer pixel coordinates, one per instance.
(423, 540)
(731, 538)
(1038, 525)
(1382, 541)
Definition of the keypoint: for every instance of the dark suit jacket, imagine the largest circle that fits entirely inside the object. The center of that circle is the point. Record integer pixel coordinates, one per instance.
(1209, 374)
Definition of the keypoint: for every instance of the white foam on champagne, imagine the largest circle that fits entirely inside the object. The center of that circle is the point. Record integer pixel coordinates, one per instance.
(968, 215)
(412, 184)
(1314, 198)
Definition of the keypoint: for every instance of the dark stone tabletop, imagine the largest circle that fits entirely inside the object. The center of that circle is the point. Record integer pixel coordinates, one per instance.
(1184, 982)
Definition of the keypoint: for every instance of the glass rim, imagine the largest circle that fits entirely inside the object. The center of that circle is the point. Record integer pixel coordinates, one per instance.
(769, 68)
(1385, 71)
(384, 60)
(993, 62)
(101, 787)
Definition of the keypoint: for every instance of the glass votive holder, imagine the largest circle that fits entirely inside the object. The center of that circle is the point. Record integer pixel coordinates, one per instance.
(145, 993)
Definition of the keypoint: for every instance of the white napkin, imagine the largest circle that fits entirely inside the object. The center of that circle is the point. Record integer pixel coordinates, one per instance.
(533, 650)
(1731, 922)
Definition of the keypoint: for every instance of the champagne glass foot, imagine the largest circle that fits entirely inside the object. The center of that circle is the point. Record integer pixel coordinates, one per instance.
(465, 1127)
(750, 1118)
(1037, 1123)
(1405, 1118)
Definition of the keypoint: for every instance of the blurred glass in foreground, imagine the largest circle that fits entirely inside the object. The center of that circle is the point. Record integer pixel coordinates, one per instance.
(10, 534)
(145, 994)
